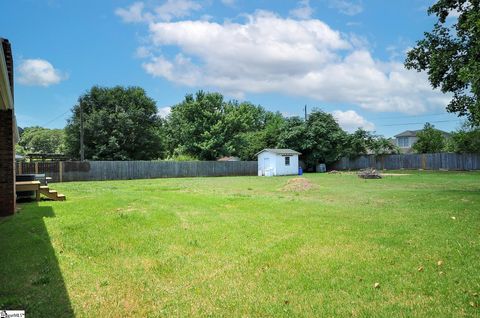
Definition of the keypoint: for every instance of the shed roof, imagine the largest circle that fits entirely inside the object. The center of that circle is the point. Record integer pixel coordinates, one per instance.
(280, 151)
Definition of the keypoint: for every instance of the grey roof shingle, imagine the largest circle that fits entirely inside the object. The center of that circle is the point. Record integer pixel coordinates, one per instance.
(408, 133)
(413, 133)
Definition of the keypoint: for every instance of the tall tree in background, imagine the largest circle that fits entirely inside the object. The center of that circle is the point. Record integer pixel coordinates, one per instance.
(430, 140)
(249, 129)
(450, 53)
(207, 127)
(119, 124)
(363, 142)
(320, 139)
(465, 140)
(41, 140)
(326, 139)
(194, 126)
(266, 137)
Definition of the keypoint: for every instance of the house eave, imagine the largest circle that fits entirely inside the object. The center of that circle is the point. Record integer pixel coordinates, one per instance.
(6, 96)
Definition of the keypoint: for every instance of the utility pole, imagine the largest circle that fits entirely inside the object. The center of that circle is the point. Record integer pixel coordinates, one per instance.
(305, 112)
(82, 150)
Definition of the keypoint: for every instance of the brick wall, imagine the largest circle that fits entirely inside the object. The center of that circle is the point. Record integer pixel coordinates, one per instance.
(7, 164)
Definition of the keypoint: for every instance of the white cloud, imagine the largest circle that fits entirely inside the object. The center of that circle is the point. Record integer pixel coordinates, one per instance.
(229, 3)
(348, 7)
(143, 52)
(176, 9)
(350, 120)
(303, 11)
(164, 111)
(354, 24)
(168, 11)
(38, 72)
(132, 14)
(271, 54)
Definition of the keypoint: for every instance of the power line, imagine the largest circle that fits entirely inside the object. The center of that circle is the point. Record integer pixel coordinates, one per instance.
(410, 116)
(432, 122)
(51, 121)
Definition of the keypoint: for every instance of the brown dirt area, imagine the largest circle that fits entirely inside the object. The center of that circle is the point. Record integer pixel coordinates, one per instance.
(298, 184)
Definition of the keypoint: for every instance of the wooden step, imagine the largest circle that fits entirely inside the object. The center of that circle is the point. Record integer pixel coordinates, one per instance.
(52, 194)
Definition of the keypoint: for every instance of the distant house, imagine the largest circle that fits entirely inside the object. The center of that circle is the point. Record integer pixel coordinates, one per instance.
(231, 158)
(406, 139)
(277, 162)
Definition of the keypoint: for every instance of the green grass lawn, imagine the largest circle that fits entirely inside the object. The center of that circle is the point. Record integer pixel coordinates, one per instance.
(244, 246)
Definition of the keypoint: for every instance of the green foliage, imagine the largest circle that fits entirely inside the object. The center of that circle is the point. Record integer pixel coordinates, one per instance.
(206, 127)
(383, 146)
(363, 142)
(450, 53)
(294, 136)
(119, 124)
(181, 158)
(193, 126)
(465, 140)
(430, 140)
(41, 140)
(266, 137)
(319, 138)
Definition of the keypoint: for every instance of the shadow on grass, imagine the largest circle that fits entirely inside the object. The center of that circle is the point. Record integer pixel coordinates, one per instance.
(30, 277)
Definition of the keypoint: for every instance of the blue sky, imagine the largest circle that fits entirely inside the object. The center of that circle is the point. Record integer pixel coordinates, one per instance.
(344, 56)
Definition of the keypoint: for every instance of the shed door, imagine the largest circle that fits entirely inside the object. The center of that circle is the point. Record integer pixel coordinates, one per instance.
(266, 163)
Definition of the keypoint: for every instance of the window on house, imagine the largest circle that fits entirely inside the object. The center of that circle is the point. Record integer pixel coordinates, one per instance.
(287, 161)
(403, 142)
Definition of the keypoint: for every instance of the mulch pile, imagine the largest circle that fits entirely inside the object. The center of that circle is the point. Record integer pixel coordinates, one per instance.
(298, 184)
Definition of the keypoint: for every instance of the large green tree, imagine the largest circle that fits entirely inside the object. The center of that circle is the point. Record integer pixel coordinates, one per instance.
(41, 140)
(320, 139)
(119, 124)
(450, 53)
(263, 136)
(430, 140)
(194, 126)
(465, 140)
(207, 127)
(363, 142)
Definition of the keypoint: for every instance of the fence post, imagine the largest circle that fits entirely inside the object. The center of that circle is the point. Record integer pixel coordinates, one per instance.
(19, 168)
(60, 171)
(36, 167)
(424, 163)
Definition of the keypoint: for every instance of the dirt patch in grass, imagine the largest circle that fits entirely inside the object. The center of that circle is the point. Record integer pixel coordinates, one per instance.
(297, 184)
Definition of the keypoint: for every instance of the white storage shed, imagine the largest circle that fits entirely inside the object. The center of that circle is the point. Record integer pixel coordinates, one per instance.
(277, 162)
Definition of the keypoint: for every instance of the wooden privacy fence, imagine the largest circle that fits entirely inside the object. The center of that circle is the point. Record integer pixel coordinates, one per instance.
(125, 170)
(433, 161)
